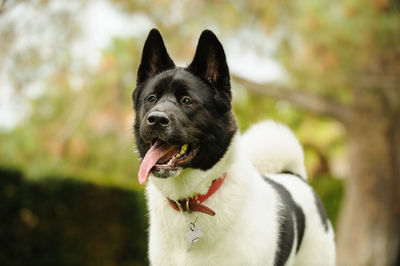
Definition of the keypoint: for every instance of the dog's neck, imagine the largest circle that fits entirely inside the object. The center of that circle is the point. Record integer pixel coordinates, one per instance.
(190, 182)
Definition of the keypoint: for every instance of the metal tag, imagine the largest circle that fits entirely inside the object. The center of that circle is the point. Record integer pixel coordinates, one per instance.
(194, 234)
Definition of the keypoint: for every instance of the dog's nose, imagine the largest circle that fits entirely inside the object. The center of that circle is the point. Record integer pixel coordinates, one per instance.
(158, 118)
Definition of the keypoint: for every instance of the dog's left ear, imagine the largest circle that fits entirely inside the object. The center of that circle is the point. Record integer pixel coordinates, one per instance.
(210, 62)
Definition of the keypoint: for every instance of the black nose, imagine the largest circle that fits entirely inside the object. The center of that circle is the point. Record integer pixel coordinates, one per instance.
(158, 118)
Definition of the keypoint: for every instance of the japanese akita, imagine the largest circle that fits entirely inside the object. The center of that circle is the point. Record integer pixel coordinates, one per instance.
(217, 197)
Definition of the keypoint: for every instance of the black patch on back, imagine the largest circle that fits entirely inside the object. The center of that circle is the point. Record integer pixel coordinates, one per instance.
(301, 225)
(318, 203)
(287, 214)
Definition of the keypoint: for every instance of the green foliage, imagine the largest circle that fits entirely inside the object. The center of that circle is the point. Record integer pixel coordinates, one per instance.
(82, 130)
(331, 192)
(251, 109)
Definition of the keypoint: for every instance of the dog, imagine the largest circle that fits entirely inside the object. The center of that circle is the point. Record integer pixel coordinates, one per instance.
(216, 197)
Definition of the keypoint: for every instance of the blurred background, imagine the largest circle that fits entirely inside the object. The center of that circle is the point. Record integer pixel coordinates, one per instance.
(69, 193)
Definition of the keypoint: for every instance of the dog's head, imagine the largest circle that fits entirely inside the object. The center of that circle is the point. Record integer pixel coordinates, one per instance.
(183, 115)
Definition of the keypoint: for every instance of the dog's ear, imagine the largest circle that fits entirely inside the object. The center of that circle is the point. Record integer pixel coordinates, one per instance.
(155, 58)
(210, 62)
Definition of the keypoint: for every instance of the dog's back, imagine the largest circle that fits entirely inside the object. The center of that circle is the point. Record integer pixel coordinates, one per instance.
(278, 157)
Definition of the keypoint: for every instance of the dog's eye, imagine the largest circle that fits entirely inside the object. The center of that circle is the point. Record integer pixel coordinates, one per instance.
(186, 100)
(152, 98)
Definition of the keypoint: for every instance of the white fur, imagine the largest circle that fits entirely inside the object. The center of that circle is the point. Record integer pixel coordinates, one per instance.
(244, 230)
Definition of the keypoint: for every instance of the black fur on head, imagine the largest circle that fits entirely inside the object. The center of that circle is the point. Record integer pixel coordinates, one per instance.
(192, 103)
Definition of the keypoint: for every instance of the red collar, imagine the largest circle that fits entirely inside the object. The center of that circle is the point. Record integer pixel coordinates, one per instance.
(194, 203)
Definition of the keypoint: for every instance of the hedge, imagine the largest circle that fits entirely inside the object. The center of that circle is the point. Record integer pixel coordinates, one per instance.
(65, 222)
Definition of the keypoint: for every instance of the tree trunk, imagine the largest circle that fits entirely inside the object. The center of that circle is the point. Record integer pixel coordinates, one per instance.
(369, 228)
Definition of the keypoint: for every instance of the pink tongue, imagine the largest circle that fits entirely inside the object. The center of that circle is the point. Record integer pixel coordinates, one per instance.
(156, 152)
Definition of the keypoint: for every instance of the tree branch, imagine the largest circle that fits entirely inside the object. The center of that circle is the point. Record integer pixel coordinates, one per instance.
(302, 99)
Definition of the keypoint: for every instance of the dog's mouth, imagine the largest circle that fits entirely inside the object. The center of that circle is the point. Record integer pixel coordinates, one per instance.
(162, 158)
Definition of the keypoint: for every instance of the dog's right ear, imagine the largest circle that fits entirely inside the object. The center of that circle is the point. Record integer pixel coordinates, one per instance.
(155, 58)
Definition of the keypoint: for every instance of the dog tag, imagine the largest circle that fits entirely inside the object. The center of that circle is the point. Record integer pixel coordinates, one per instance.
(194, 234)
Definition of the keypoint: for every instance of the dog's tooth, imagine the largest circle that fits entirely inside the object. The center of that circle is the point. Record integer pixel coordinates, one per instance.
(183, 149)
(170, 162)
